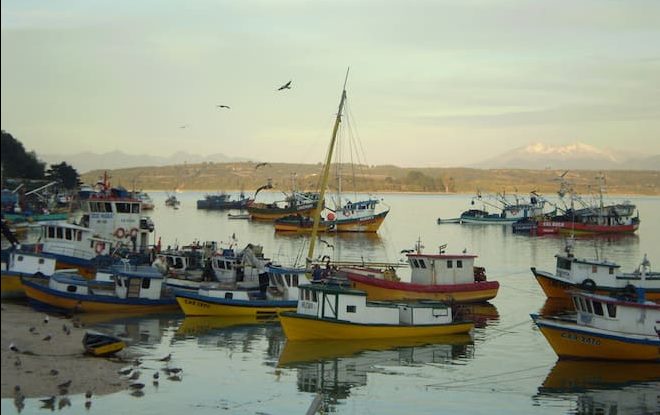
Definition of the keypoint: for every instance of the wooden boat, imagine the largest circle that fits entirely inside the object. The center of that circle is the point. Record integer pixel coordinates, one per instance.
(297, 203)
(302, 224)
(245, 216)
(223, 201)
(596, 275)
(589, 218)
(277, 292)
(127, 289)
(336, 312)
(510, 211)
(101, 345)
(353, 217)
(606, 328)
(445, 277)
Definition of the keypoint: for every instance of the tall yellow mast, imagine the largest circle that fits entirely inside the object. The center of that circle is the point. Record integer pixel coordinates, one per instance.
(325, 174)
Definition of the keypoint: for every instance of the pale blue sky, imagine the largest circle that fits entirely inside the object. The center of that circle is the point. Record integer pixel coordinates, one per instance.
(432, 83)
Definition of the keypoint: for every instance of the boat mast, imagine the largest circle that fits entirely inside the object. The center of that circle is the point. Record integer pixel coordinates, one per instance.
(324, 177)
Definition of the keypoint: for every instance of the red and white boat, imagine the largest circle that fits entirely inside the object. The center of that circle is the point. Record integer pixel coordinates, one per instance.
(446, 277)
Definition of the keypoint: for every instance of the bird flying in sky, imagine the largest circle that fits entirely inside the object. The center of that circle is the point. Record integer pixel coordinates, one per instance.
(261, 165)
(285, 86)
(223, 106)
(184, 126)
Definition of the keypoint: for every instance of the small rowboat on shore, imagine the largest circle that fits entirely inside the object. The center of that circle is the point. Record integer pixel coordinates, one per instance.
(99, 344)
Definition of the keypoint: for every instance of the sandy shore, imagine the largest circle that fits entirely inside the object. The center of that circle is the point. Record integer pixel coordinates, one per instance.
(62, 352)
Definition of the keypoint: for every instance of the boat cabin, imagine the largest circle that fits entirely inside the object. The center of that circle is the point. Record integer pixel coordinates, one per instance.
(577, 270)
(613, 314)
(283, 282)
(429, 269)
(339, 303)
(138, 282)
(31, 263)
(72, 240)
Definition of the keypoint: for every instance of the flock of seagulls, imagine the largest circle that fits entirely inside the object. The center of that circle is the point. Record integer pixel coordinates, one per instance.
(227, 107)
(133, 373)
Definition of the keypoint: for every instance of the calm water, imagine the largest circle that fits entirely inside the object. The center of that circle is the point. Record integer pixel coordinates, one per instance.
(506, 366)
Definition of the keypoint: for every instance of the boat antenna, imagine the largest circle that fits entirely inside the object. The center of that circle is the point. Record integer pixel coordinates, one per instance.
(324, 176)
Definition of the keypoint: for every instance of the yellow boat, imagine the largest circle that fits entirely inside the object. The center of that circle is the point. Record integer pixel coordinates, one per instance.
(336, 312)
(131, 291)
(606, 328)
(99, 344)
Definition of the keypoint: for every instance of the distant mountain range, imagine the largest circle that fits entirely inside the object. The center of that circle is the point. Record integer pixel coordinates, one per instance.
(539, 156)
(87, 161)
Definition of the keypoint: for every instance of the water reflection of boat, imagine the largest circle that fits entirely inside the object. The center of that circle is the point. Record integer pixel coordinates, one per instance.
(480, 313)
(296, 352)
(192, 326)
(132, 328)
(604, 387)
(557, 307)
(333, 368)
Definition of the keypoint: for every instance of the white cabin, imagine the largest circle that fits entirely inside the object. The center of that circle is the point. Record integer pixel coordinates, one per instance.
(73, 241)
(611, 314)
(602, 273)
(28, 263)
(339, 303)
(138, 282)
(441, 269)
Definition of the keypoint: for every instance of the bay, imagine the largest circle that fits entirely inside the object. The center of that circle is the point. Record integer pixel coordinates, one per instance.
(505, 367)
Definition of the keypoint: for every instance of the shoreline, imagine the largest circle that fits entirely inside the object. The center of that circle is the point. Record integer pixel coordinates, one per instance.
(30, 367)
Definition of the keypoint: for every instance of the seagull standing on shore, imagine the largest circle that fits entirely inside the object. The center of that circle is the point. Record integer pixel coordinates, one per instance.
(13, 347)
(46, 319)
(166, 358)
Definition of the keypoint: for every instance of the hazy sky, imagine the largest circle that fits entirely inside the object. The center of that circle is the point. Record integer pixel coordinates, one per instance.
(432, 83)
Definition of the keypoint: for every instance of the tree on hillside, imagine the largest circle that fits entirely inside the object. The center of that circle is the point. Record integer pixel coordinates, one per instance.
(64, 174)
(18, 163)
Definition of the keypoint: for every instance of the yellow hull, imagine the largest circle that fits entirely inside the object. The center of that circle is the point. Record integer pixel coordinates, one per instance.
(194, 307)
(258, 214)
(375, 293)
(567, 343)
(290, 227)
(11, 286)
(107, 349)
(297, 328)
(360, 226)
(90, 306)
(561, 290)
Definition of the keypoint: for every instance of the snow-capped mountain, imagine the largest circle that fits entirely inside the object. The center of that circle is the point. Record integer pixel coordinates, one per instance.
(580, 156)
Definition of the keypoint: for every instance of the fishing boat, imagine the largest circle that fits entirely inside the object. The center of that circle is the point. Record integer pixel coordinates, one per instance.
(122, 289)
(278, 291)
(146, 202)
(580, 216)
(296, 203)
(510, 210)
(444, 277)
(187, 268)
(329, 311)
(223, 201)
(24, 264)
(606, 328)
(238, 216)
(172, 201)
(302, 224)
(596, 275)
(102, 345)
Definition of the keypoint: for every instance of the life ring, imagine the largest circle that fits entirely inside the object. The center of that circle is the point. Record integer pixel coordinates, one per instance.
(134, 233)
(100, 246)
(347, 212)
(120, 232)
(588, 285)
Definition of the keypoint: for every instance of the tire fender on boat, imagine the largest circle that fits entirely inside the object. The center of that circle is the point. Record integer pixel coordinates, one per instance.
(588, 285)
(120, 232)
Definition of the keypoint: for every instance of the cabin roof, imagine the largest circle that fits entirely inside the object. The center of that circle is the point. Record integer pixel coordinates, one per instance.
(286, 270)
(442, 256)
(589, 261)
(332, 289)
(140, 272)
(69, 278)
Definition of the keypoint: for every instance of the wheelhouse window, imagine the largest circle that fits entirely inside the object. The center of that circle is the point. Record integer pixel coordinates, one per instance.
(422, 263)
(288, 279)
(611, 310)
(611, 271)
(314, 298)
(123, 208)
(563, 263)
(350, 309)
(135, 207)
(598, 308)
(415, 264)
(41, 260)
(60, 233)
(295, 281)
(229, 296)
(71, 288)
(69, 236)
(459, 263)
(108, 207)
(51, 232)
(450, 264)
(589, 309)
(146, 283)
